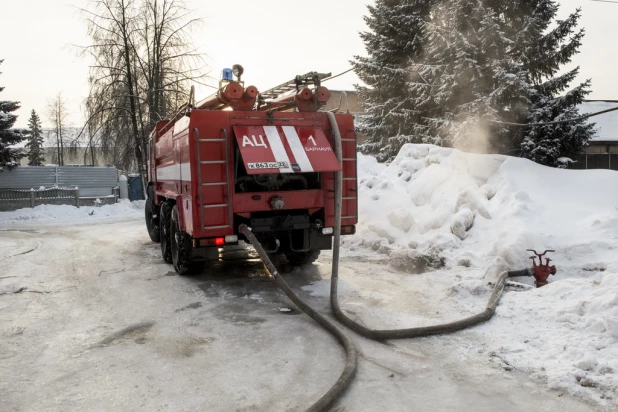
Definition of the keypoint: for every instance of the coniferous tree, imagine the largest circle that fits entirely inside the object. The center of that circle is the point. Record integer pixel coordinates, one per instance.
(35, 143)
(479, 64)
(394, 37)
(549, 144)
(8, 137)
(474, 82)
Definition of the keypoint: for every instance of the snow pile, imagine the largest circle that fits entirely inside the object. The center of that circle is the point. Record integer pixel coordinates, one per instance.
(441, 207)
(419, 209)
(565, 333)
(67, 213)
(435, 208)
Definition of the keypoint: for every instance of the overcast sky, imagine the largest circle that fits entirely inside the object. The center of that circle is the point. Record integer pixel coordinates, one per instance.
(273, 39)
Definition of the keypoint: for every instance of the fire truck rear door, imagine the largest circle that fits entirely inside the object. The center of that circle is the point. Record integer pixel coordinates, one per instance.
(285, 149)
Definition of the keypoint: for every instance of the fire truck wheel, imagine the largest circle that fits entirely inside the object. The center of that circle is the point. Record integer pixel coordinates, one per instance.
(181, 249)
(152, 223)
(164, 223)
(302, 258)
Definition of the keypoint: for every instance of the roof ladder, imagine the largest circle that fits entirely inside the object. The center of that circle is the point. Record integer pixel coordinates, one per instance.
(297, 83)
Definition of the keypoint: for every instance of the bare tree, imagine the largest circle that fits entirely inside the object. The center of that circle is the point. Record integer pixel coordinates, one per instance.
(57, 114)
(113, 96)
(168, 63)
(142, 60)
(92, 134)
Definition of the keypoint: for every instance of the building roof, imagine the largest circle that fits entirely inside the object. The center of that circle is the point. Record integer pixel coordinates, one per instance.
(607, 123)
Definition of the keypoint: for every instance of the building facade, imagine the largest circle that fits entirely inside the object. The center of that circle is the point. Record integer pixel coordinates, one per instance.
(602, 152)
(346, 101)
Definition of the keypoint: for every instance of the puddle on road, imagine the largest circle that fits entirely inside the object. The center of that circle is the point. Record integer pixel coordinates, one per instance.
(238, 284)
(208, 290)
(236, 313)
(29, 231)
(133, 331)
(191, 306)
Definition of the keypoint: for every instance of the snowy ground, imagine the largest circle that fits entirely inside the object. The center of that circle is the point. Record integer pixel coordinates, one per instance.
(472, 216)
(62, 214)
(92, 319)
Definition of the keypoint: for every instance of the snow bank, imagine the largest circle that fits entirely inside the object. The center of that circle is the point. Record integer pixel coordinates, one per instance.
(565, 333)
(64, 213)
(420, 208)
(451, 208)
(436, 208)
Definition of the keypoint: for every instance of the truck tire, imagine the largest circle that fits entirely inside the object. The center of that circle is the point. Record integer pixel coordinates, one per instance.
(302, 258)
(181, 249)
(152, 222)
(165, 224)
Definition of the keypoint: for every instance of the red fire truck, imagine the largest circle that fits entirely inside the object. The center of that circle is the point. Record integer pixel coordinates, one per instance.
(240, 156)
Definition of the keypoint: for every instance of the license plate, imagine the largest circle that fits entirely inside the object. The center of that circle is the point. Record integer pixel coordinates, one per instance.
(268, 165)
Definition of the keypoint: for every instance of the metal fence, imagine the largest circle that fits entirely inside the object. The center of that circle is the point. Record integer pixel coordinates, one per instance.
(91, 181)
(595, 161)
(40, 195)
(34, 185)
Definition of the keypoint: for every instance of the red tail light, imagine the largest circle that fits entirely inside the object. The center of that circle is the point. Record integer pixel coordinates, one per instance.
(348, 230)
(217, 241)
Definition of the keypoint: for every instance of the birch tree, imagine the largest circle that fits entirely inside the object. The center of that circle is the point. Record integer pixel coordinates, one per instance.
(57, 114)
(142, 61)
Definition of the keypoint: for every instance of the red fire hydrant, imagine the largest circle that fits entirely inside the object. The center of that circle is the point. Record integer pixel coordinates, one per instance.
(541, 271)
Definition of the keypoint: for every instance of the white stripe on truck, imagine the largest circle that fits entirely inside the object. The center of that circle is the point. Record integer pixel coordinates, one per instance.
(297, 148)
(175, 172)
(276, 145)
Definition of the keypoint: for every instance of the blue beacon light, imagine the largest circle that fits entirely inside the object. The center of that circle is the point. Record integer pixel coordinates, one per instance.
(227, 74)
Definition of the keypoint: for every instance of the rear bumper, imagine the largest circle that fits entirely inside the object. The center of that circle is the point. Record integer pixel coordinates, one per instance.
(261, 201)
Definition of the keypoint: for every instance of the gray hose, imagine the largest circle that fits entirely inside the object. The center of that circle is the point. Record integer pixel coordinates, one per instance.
(349, 370)
(520, 273)
(351, 353)
(391, 333)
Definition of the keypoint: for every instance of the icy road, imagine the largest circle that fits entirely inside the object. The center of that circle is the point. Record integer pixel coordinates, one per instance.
(91, 319)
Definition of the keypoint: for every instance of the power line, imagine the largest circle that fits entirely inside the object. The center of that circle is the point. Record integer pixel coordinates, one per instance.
(337, 75)
(606, 1)
(575, 119)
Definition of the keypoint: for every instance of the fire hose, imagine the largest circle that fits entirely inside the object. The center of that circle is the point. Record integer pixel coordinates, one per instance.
(382, 334)
(351, 354)
(376, 334)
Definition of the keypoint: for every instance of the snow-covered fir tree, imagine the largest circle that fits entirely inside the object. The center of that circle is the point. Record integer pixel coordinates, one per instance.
(9, 156)
(549, 144)
(469, 80)
(35, 141)
(478, 64)
(394, 38)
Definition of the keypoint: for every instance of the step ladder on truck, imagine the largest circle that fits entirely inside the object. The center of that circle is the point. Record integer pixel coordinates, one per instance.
(238, 157)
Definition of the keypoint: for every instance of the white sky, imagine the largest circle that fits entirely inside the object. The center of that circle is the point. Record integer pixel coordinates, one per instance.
(273, 39)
